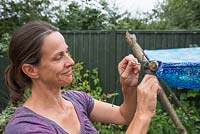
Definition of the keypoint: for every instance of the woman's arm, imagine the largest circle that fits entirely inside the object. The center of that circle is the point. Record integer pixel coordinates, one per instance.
(139, 103)
(139, 124)
(123, 114)
(146, 105)
(108, 113)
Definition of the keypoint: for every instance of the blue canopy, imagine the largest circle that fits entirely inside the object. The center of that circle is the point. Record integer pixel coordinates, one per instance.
(178, 67)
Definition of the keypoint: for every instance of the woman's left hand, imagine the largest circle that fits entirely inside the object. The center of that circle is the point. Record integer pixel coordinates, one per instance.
(129, 71)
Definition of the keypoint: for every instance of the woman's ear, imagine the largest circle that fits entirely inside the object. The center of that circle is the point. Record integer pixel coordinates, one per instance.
(30, 70)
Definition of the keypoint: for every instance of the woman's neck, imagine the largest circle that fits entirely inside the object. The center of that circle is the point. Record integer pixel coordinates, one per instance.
(45, 97)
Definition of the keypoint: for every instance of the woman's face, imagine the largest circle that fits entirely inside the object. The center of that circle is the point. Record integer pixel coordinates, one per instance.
(55, 68)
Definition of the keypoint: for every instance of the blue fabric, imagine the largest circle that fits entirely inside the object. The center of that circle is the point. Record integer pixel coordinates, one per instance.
(178, 67)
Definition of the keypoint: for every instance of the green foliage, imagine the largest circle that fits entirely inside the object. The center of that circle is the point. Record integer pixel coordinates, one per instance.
(183, 14)
(89, 17)
(5, 116)
(109, 128)
(131, 24)
(16, 13)
(4, 44)
(85, 15)
(175, 14)
(88, 81)
(162, 124)
(76, 17)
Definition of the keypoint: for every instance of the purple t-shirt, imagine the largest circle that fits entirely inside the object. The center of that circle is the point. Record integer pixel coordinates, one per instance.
(25, 121)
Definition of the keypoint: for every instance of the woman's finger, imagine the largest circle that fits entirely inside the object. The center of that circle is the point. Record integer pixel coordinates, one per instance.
(128, 60)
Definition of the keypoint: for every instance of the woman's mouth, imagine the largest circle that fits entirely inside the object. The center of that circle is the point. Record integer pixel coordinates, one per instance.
(68, 73)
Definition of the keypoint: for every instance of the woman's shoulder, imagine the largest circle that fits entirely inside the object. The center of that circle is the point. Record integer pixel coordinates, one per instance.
(75, 94)
(82, 99)
(25, 121)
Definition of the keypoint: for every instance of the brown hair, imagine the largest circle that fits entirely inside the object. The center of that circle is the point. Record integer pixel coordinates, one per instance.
(25, 47)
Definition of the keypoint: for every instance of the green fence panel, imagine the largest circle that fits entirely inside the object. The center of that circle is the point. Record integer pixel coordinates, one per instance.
(97, 50)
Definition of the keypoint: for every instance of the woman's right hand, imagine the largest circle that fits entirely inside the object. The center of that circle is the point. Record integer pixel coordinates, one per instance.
(147, 92)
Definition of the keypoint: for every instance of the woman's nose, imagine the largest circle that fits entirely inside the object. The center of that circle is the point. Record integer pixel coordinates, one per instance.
(69, 61)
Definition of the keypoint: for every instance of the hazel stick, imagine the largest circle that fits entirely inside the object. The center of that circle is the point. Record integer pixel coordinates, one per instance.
(139, 54)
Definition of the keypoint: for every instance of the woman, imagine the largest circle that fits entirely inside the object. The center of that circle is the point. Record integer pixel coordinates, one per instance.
(39, 60)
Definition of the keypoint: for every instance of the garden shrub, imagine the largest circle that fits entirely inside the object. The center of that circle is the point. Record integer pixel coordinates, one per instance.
(162, 124)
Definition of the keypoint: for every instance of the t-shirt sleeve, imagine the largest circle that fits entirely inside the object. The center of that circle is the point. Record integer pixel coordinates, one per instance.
(27, 127)
(83, 99)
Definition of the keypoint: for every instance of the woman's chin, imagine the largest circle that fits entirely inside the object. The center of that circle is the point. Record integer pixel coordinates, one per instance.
(66, 82)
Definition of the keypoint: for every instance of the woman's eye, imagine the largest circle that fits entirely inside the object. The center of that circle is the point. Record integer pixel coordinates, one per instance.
(58, 58)
(62, 55)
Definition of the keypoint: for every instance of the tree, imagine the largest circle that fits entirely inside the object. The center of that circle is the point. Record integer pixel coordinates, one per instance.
(131, 24)
(65, 14)
(175, 14)
(80, 18)
(15, 13)
(100, 16)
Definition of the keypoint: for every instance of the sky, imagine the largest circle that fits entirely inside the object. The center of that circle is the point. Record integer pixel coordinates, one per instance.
(135, 5)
